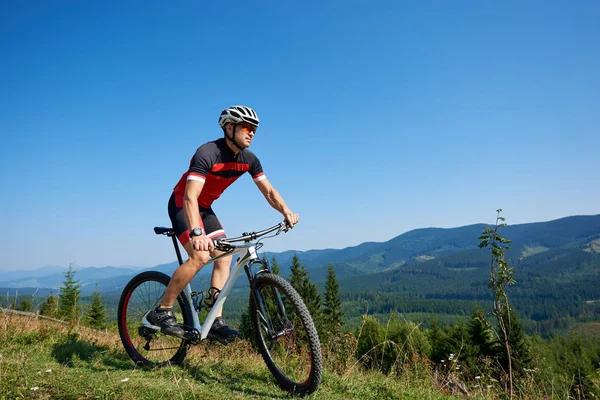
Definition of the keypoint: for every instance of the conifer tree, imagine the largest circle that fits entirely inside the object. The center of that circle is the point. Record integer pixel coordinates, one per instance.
(299, 274)
(439, 342)
(68, 302)
(50, 306)
(307, 290)
(275, 268)
(96, 313)
(481, 333)
(332, 309)
(520, 351)
(245, 328)
(26, 305)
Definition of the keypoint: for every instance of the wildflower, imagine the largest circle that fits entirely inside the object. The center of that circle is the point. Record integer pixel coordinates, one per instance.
(124, 380)
(457, 367)
(35, 388)
(478, 377)
(39, 372)
(49, 370)
(443, 361)
(451, 357)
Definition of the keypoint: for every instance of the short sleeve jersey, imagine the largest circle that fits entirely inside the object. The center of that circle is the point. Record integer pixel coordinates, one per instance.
(217, 166)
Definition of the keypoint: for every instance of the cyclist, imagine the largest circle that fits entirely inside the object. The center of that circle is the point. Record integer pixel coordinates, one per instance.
(214, 166)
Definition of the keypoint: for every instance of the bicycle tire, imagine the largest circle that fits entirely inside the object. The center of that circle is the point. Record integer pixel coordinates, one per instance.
(296, 366)
(143, 293)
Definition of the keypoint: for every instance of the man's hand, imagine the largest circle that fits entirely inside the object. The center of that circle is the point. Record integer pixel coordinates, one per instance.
(291, 218)
(202, 243)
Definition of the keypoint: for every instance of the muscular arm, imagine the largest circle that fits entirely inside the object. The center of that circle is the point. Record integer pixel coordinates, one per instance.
(276, 201)
(190, 203)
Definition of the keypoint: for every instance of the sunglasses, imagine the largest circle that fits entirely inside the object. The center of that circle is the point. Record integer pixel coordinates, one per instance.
(247, 128)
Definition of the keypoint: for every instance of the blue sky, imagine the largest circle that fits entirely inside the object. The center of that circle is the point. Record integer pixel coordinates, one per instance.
(376, 118)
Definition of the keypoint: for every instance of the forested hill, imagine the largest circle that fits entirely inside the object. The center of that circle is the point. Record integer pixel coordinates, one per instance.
(403, 252)
(557, 272)
(423, 245)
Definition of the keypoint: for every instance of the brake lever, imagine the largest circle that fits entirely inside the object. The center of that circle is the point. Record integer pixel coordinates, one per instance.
(222, 246)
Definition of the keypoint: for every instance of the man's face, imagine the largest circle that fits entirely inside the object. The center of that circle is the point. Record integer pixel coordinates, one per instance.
(244, 134)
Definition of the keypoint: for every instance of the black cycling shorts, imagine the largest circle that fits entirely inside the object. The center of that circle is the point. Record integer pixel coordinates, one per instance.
(212, 226)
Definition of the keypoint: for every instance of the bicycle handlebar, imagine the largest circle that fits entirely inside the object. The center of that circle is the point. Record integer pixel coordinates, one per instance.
(227, 243)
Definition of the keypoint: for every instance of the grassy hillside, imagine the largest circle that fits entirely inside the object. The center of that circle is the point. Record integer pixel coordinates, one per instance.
(41, 359)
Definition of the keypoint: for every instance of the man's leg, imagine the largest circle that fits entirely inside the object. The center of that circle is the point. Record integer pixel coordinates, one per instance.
(219, 277)
(163, 316)
(184, 274)
(220, 274)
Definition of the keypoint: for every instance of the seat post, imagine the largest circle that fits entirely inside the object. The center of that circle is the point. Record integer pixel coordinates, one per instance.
(177, 249)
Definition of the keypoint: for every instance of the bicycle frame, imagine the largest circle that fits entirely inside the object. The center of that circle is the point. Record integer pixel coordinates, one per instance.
(247, 254)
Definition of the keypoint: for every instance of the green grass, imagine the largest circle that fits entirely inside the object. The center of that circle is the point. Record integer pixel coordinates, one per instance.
(44, 360)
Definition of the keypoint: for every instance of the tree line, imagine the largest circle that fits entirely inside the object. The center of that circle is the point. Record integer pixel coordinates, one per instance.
(67, 305)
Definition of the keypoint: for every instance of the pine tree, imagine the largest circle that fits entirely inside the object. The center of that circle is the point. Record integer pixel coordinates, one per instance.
(68, 302)
(332, 309)
(26, 305)
(245, 328)
(299, 274)
(519, 346)
(275, 268)
(50, 306)
(482, 335)
(96, 314)
(307, 290)
(438, 339)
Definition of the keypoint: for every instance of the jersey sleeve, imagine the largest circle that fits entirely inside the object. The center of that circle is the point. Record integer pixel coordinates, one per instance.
(200, 164)
(256, 170)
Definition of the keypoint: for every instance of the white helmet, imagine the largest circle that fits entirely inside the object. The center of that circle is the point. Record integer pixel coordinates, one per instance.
(237, 114)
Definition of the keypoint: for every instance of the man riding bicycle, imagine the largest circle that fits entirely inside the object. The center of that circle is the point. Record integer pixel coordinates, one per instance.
(213, 168)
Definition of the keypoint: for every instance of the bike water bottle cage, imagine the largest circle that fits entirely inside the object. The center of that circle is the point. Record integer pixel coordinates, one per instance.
(198, 300)
(211, 296)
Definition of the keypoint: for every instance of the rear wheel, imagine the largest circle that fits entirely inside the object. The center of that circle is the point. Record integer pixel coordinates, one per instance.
(285, 334)
(145, 345)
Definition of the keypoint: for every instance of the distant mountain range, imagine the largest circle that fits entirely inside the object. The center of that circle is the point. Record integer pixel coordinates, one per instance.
(424, 253)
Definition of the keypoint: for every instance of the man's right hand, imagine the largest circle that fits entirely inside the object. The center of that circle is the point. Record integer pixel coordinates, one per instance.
(202, 243)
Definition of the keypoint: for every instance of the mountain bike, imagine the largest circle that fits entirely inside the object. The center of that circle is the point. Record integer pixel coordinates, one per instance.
(282, 327)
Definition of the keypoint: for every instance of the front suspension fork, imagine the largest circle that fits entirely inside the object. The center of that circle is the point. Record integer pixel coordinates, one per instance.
(258, 300)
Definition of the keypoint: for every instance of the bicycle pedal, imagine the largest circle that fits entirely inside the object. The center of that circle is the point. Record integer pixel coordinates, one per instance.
(191, 334)
(218, 338)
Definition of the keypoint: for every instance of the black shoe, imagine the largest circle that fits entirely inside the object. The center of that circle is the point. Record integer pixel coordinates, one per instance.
(165, 319)
(220, 328)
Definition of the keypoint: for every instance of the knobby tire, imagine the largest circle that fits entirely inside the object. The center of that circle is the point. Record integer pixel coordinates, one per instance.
(294, 358)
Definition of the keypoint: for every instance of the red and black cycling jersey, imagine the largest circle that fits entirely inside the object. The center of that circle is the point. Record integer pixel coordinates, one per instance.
(217, 166)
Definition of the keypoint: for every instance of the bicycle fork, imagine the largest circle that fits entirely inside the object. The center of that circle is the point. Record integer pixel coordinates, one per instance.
(260, 304)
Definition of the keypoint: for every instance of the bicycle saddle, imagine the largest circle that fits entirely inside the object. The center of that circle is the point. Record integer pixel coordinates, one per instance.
(160, 230)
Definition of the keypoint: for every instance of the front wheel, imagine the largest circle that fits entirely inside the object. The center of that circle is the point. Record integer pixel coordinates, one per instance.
(145, 345)
(285, 334)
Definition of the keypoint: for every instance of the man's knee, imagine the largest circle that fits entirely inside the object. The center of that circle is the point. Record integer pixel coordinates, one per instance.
(198, 259)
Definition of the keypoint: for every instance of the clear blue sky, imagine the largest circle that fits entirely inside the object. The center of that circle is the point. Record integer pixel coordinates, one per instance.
(376, 118)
